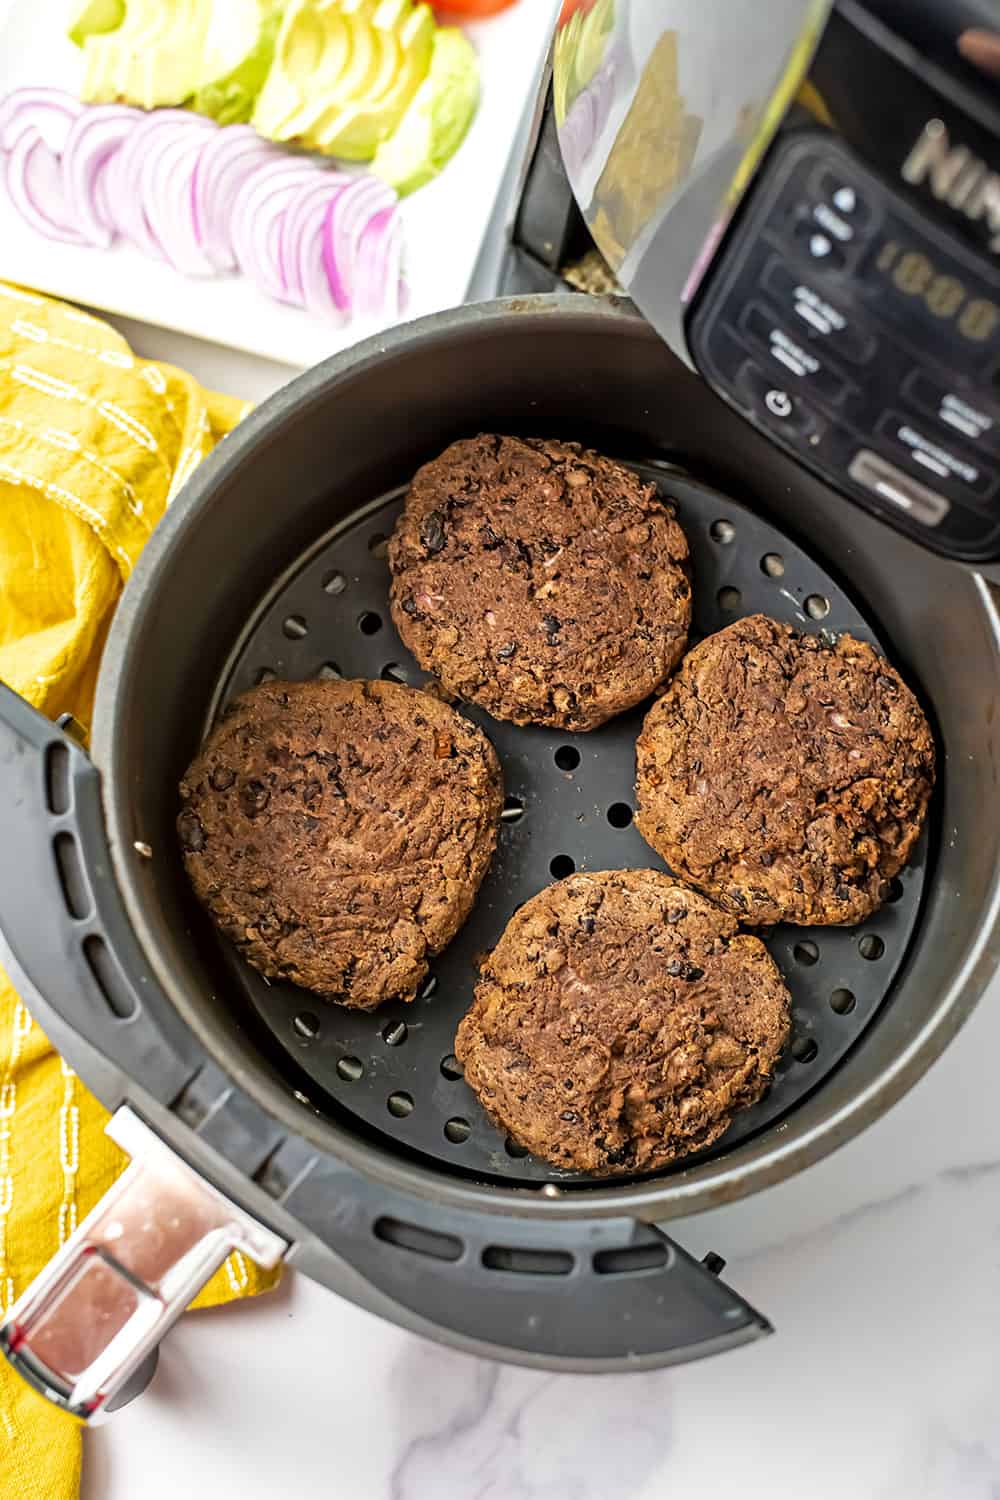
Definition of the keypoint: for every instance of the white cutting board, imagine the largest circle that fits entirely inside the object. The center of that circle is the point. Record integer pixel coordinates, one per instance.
(444, 222)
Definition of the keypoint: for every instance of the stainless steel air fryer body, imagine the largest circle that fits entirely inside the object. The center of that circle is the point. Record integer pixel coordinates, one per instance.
(137, 993)
(803, 199)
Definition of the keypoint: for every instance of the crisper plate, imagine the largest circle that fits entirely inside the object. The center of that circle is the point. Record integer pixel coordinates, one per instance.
(570, 801)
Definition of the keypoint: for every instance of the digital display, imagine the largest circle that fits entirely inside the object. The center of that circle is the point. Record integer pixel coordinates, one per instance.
(913, 273)
(856, 331)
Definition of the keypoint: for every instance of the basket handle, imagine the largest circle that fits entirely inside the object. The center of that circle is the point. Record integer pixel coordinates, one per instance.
(98, 1310)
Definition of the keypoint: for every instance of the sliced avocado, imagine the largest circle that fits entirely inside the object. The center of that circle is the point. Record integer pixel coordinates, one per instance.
(370, 59)
(239, 49)
(94, 18)
(438, 118)
(152, 58)
(317, 45)
(355, 131)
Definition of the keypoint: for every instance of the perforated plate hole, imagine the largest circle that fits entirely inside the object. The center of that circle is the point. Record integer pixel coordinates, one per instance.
(306, 1025)
(773, 565)
(722, 532)
(893, 891)
(329, 672)
(806, 953)
(513, 810)
(350, 1068)
(870, 946)
(817, 606)
(619, 815)
(394, 1033)
(512, 1148)
(804, 1049)
(457, 1130)
(567, 757)
(334, 583)
(378, 545)
(393, 672)
(843, 1002)
(561, 865)
(729, 600)
(295, 627)
(264, 675)
(400, 1105)
(451, 1068)
(370, 623)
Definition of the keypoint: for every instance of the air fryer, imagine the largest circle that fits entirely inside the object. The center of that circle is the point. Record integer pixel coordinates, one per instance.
(349, 1144)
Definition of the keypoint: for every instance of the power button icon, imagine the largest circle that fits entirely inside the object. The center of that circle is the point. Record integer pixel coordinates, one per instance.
(778, 403)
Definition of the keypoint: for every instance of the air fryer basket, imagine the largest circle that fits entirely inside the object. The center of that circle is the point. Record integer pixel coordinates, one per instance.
(297, 1111)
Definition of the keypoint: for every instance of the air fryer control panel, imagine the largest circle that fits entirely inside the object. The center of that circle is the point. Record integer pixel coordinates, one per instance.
(865, 337)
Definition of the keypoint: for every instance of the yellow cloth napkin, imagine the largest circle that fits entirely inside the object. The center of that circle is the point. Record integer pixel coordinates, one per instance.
(94, 443)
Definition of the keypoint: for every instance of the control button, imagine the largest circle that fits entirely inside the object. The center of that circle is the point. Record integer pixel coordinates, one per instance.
(794, 295)
(942, 462)
(964, 413)
(819, 247)
(842, 196)
(765, 331)
(780, 410)
(833, 224)
(889, 483)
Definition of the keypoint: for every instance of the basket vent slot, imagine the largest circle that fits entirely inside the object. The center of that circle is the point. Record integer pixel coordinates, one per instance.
(631, 1258)
(108, 977)
(525, 1262)
(71, 877)
(418, 1239)
(57, 780)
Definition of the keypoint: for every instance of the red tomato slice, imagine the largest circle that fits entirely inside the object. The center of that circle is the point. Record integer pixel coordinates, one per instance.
(471, 7)
(570, 8)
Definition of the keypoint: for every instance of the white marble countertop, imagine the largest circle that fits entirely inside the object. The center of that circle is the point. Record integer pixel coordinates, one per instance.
(880, 1269)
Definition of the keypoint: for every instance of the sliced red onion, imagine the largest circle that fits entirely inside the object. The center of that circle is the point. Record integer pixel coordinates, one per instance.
(300, 243)
(205, 199)
(123, 185)
(165, 187)
(257, 211)
(125, 179)
(225, 163)
(48, 112)
(35, 184)
(102, 203)
(95, 136)
(346, 219)
(379, 266)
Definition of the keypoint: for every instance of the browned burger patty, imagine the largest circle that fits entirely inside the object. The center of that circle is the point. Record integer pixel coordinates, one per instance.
(337, 832)
(621, 1022)
(540, 580)
(785, 776)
